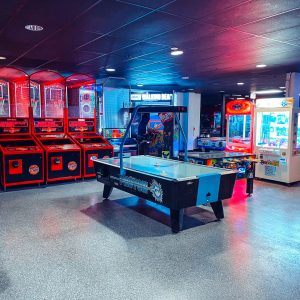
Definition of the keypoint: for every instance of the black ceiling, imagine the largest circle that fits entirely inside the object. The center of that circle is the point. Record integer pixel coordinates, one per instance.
(222, 40)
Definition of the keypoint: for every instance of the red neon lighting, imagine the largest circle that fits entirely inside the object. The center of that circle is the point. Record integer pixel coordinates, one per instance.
(239, 107)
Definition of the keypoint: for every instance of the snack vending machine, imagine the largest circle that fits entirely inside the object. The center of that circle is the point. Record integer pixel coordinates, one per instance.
(240, 119)
(62, 154)
(21, 157)
(81, 121)
(277, 144)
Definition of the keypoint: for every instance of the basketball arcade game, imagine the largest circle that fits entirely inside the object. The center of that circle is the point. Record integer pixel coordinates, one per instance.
(62, 154)
(21, 157)
(81, 121)
(277, 139)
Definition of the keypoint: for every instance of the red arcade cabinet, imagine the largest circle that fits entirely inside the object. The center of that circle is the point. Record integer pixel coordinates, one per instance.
(62, 154)
(240, 119)
(81, 123)
(21, 157)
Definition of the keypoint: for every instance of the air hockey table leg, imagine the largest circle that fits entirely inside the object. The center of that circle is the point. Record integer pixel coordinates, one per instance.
(217, 208)
(107, 191)
(176, 216)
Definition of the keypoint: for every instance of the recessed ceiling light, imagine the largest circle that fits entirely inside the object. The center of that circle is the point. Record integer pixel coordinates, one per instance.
(110, 70)
(2, 57)
(261, 66)
(185, 77)
(221, 91)
(34, 27)
(176, 52)
(139, 85)
(273, 91)
(240, 83)
(174, 48)
(282, 87)
(191, 89)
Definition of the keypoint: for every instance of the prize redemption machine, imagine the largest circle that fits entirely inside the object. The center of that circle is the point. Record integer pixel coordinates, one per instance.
(239, 133)
(21, 157)
(81, 123)
(62, 154)
(277, 139)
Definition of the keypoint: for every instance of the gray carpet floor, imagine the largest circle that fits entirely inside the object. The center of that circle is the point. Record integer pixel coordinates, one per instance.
(65, 242)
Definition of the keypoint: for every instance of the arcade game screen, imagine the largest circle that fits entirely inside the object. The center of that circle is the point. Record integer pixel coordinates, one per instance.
(86, 102)
(239, 129)
(272, 129)
(114, 133)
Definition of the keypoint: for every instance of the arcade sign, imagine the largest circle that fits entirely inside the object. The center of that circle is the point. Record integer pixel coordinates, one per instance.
(274, 102)
(151, 97)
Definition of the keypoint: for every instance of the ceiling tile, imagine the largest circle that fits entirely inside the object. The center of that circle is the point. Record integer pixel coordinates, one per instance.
(250, 12)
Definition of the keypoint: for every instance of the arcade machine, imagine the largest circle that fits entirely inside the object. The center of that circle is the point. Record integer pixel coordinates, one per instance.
(114, 137)
(154, 133)
(277, 139)
(239, 133)
(62, 154)
(21, 157)
(238, 154)
(81, 122)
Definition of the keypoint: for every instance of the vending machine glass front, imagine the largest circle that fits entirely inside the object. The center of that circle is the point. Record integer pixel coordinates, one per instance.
(272, 129)
(239, 129)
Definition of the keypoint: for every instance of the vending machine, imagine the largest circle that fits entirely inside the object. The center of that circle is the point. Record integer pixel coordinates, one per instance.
(277, 139)
(239, 133)
(62, 154)
(21, 157)
(81, 121)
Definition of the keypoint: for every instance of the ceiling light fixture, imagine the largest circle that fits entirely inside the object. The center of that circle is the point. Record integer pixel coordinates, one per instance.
(185, 77)
(221, 91)
(272, 91)
(240, 83)
(34, 27)
(2, 57)
(140, 85)
(176, 52)
(110, 70)
(282, 87)
(261, 66)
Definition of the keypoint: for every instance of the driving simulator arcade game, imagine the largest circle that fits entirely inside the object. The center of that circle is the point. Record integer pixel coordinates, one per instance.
(81, 122)
(62, 154)
(21, 157)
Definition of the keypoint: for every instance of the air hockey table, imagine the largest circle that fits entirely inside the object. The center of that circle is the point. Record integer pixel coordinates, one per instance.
(170, 183)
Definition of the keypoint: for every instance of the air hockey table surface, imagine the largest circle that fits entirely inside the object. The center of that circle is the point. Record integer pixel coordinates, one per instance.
(171, 183)
(166, 168)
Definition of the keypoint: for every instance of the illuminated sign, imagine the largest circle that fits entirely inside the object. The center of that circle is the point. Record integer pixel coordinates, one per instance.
(151, 97)
(274, 102)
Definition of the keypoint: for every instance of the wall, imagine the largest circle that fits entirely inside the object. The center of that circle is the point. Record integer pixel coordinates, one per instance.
(191, 120)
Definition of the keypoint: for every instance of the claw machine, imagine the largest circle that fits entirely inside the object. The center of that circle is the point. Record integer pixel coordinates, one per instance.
(21, 157)
(62, 154)
(240, 120)
(81, 121)
(277, 139)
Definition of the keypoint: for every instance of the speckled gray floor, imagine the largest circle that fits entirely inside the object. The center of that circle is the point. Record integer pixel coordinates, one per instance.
(63, 242)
